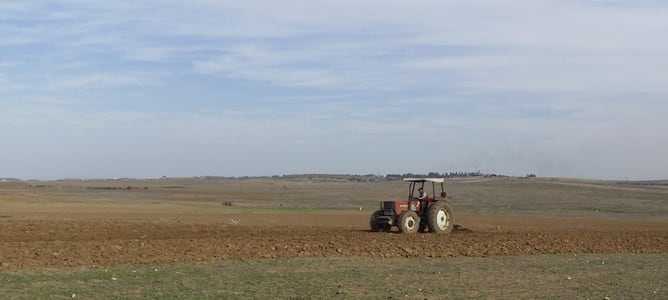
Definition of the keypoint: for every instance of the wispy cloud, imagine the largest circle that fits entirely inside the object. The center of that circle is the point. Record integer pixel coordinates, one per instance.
(8, 86)
(103, 80)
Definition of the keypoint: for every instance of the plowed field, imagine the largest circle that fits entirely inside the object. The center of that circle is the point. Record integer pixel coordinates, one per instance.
(87, 240)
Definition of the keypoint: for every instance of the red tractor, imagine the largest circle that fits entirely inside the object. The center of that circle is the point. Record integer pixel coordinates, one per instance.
(418, 213)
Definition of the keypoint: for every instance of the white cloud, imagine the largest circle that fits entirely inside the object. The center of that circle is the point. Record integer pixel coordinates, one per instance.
(7, 86)
(103, 80)
(517, 45)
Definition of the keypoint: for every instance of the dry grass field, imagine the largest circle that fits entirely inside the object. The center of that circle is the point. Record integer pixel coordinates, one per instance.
(307, 237)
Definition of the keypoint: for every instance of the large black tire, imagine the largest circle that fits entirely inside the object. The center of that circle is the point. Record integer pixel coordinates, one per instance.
(409, 222)
(440, 217)
(375, 225)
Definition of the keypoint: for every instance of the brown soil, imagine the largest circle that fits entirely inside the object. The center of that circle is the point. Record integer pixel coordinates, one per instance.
(86, 240)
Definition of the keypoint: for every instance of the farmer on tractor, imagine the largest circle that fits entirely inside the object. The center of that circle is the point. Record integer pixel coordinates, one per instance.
(422, 196)
(424, 200)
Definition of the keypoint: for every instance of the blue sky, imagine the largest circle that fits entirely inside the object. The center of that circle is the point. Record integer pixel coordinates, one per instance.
(243, 88)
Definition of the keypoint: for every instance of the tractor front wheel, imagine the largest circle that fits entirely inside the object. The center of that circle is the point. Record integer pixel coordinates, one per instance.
(440, 217)
(409, 222)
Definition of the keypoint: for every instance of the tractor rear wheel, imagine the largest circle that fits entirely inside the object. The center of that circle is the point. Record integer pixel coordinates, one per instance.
(440, 217)
(376, 225)
(409, 222)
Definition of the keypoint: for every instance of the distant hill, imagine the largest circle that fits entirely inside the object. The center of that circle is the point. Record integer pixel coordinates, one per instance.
(9, 179)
